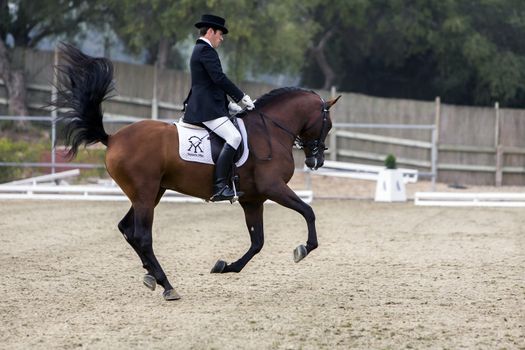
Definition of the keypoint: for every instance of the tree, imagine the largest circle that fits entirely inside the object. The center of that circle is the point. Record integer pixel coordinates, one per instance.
(23, 24)
(467, 52)
(154, 25)
(481, 42)
(329, 22)
(265, 36)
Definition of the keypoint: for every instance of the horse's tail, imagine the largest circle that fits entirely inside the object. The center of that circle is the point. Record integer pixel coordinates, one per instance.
(84, 83)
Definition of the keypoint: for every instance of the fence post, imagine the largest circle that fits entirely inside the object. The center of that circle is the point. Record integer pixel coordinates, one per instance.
(154, 100)
(499, 147)
(435, 142)
(54, 94)
(333, 132)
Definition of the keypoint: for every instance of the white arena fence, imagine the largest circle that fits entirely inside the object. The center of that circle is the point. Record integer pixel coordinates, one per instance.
(470, 199)
(95, 193)
(49, 187)
(361, 171)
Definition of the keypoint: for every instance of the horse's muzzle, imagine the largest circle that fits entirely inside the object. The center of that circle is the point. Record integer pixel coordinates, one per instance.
(314, 163)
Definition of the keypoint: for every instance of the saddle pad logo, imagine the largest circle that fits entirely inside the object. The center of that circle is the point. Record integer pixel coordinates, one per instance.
(195, 146)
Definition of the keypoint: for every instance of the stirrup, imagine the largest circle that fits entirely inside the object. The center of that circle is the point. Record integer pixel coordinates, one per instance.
(220, 196)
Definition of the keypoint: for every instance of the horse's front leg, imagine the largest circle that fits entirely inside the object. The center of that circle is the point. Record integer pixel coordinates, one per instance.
(253, 213)
(284, 196)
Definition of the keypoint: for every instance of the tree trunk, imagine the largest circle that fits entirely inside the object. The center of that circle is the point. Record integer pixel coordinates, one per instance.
(15, 86)
(320, 58)
(163, 52)
(17, 94)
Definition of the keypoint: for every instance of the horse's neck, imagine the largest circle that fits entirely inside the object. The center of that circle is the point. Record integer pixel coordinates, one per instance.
(288, 116)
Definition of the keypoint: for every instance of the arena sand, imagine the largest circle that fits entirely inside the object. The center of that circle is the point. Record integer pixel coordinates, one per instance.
(385, 276)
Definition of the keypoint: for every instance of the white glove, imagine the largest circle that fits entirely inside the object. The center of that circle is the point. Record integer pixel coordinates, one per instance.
(247, 101)
(234, 108)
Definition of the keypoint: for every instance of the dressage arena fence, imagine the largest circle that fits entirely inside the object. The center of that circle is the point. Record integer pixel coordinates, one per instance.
(96, 193)
(361, 171)
(52, 187)
(483, 199)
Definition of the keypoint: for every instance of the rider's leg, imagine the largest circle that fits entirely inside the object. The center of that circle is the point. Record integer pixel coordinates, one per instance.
(224, 128)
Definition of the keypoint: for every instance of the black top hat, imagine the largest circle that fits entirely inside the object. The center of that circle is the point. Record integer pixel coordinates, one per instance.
(212, 21)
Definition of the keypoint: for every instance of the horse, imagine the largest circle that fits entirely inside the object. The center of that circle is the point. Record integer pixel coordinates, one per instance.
(143, 158)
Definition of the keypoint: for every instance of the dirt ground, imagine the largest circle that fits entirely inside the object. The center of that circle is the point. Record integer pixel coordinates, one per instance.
(385, 276)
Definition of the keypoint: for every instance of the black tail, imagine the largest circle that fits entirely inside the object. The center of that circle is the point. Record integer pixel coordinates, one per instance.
(84, 83)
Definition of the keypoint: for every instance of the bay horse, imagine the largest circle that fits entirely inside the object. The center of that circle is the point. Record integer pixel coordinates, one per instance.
(143, 158)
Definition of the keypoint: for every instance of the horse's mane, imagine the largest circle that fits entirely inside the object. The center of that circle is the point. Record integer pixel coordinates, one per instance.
(274, 94)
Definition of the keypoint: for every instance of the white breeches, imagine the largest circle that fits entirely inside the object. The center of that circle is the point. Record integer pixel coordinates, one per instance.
(223, 127)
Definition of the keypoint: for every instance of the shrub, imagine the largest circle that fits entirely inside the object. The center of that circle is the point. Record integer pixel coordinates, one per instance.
(17, 151)
(39, 150)
(390, 162)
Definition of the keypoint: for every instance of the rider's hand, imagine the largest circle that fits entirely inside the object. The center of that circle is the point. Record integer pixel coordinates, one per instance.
(234, 108)
(248, 102)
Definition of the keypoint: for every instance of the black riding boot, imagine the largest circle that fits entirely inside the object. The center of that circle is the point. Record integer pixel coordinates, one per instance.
(223, 166)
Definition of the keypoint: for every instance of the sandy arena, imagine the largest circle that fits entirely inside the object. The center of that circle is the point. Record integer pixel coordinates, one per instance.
(385, 276)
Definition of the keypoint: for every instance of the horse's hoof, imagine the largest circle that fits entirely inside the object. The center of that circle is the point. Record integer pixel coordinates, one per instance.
(150, 282)
(171, 294)
(299, 253)
(220, 265)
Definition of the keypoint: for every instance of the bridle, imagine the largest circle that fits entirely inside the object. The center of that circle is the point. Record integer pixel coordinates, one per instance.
(312, 147)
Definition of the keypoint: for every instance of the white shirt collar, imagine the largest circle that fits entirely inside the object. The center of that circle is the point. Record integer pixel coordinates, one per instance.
(206, 40)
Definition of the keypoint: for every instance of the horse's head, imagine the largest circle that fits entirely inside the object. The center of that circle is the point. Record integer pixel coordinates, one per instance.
(312, 138)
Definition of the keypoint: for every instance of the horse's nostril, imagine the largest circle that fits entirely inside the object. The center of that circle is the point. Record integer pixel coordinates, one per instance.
(310, 162)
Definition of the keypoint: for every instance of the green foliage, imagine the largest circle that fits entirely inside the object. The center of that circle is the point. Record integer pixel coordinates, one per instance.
(38, 150)
(17, 151)
(29, 21)
(264, 37)
(390, 162)
(144, 24)
(467, 52)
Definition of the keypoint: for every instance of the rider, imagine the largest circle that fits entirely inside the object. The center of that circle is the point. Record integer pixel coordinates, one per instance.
(207, 102)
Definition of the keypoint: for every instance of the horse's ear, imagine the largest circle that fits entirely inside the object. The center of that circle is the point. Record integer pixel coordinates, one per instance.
(332, 102)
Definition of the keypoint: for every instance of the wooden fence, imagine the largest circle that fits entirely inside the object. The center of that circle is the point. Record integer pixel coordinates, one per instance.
(465, 145)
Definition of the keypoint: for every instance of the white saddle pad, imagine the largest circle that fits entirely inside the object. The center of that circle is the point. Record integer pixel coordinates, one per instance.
(195, 145)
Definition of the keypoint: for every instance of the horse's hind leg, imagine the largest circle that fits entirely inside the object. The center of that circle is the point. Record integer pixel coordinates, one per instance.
(143, 215)
(127, 227)
(253, 213)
